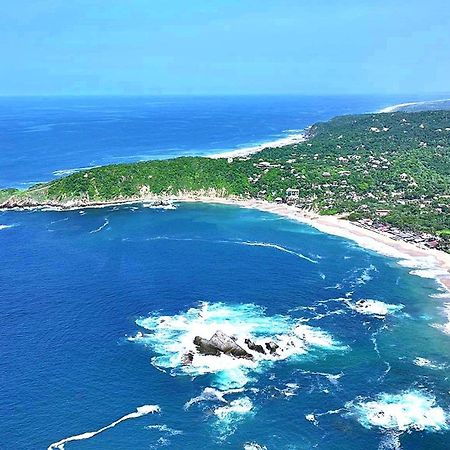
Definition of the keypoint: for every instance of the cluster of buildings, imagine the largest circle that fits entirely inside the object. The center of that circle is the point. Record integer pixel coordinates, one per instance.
(422, 239)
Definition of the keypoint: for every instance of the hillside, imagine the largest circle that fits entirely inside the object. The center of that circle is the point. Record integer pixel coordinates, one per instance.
(391, 168)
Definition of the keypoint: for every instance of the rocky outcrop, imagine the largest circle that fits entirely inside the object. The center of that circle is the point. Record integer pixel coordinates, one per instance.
(220, 343)
(187, 358)
(272, 347)
(255, 347)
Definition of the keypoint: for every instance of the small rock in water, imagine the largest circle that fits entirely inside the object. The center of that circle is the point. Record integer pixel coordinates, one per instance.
(188, 358)
(272, 347)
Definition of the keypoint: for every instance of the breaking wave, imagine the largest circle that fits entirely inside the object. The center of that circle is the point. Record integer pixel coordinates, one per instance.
(229, 416)
(407, 411)
(277, 247)
(140, 411)
(374, 308)
(66, 172)
(5, 227)
(100, 228)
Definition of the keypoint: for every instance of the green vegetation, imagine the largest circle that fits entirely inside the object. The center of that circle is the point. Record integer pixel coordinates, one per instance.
(355, 165)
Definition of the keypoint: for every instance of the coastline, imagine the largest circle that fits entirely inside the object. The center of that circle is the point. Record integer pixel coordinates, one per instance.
(423, 262)
(396, 108)
(426, 263)
(247, 151)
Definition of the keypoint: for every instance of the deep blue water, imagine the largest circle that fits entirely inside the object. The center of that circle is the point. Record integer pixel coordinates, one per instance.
(97, 307)
(71, 298)
(41, 138)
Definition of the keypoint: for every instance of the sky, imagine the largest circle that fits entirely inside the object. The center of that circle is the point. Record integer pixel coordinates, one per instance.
(143, 47)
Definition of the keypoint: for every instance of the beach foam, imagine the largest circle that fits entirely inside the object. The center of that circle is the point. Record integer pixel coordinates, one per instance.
(404, 106)
(140, 411)
(66, 172)
(408, 411)
(169, 206)
(445, 328)
(293, 138)
(171, 337)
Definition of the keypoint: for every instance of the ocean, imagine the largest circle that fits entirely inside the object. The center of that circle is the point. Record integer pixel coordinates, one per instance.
(100, 307)
(45, 138)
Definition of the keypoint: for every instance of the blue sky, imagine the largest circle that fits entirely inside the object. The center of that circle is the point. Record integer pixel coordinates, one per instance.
(224, 46)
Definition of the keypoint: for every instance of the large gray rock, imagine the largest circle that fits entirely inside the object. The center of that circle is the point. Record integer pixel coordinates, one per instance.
(205, 347)
(220, 343)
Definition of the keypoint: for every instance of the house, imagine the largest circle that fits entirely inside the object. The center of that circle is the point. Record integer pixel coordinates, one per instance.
(292, 194)
(382, 212)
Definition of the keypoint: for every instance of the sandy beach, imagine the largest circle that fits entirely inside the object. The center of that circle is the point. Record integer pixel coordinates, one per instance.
(243, 152)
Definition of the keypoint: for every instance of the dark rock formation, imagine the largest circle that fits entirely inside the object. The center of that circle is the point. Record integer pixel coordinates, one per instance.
(255, 347)
(272, 347)
(205, 347)
(220, 343)
(187, 358)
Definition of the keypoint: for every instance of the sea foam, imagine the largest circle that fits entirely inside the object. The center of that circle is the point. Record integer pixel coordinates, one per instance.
(374, 307)
(407, 411)
(172, 337)
(228, 417)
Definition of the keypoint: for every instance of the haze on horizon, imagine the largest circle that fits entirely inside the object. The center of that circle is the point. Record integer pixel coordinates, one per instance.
(141, 47)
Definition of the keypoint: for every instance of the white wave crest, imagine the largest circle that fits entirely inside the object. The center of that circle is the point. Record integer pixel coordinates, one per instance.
(404, 106)
(276, 247)
(407, 411)
(445, 328)
(374, 307)
(65, 172)
(164, 429)
(6, 227)
(212, 395)
(424, 362)
(140, 411)
(100, 228)
(254, 446)
(172, 337)
(228, 417)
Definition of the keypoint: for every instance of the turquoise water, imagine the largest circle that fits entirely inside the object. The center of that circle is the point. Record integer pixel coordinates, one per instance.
(99, 306)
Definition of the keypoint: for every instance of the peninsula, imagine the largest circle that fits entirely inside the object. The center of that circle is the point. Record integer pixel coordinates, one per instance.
(388, 173)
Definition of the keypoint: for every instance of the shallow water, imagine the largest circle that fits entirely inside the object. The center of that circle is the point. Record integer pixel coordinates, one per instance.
(76, 289)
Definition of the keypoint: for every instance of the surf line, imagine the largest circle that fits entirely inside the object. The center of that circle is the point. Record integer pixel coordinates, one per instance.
(140, 411)
(275, 247)
(100, 228)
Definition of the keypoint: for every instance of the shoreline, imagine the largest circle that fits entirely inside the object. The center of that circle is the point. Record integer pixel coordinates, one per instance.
(426, 263)
(247, 151)
(397, 108)
(423, 262)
